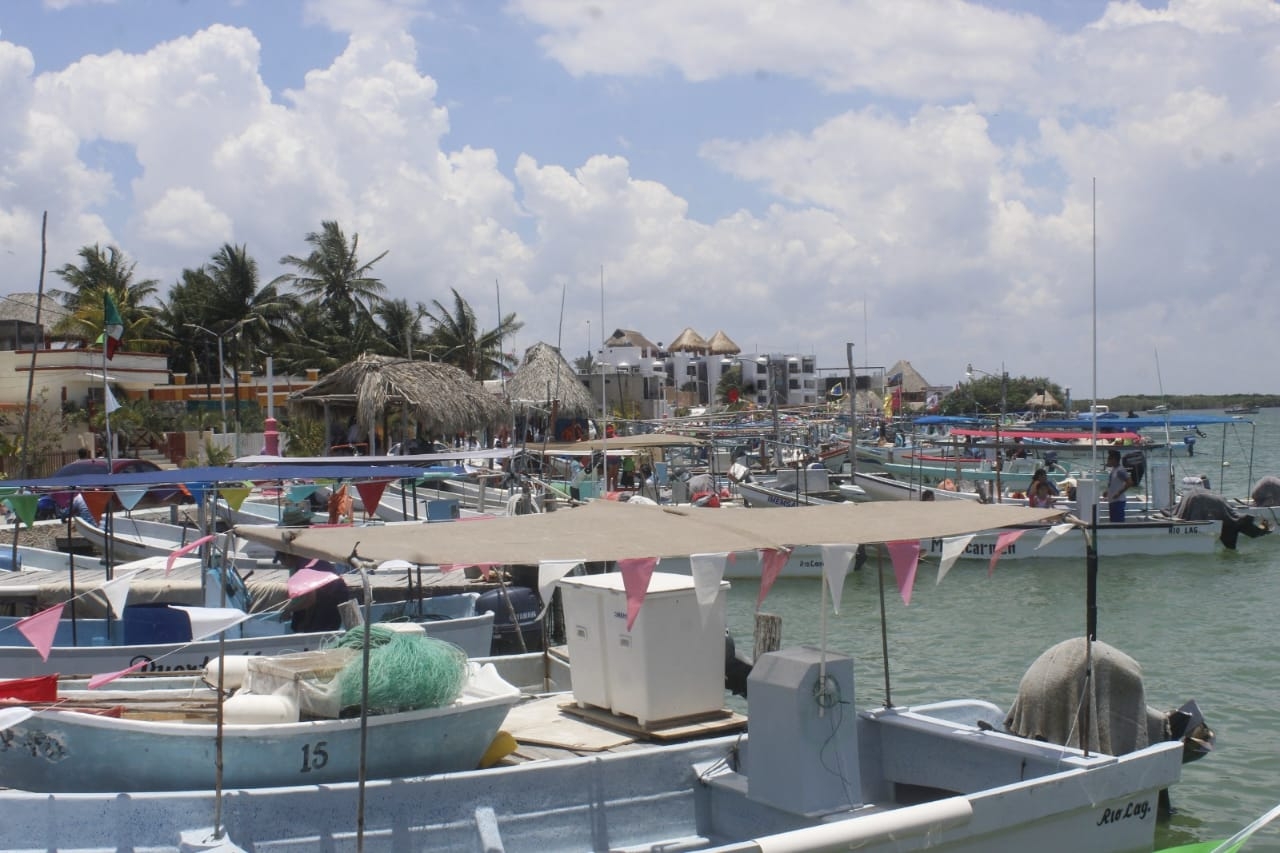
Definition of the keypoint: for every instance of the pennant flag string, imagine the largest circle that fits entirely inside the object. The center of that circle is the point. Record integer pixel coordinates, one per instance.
(952, 548)
(906, 558)
(635, 579)
(1003, 542)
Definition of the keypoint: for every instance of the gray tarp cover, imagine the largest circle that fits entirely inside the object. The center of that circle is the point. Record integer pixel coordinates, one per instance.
(605, 530)
(1049, 699)
(1266, 492)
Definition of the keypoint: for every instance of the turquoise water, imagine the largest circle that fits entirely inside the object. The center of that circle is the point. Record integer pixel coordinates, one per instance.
(1203, 628)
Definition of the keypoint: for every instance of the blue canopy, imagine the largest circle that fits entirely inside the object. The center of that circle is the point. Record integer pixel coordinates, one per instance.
(221, 474)
(1116, 422)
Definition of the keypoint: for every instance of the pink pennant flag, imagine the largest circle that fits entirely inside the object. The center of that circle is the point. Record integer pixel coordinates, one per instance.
(1006, 539)
(771, 562)
(635, 578)
(304, 581)
(107, 677)
(186, 549)
(906, 558)
(40, 628)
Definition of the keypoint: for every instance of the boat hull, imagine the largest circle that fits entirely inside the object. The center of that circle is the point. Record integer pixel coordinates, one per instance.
(70, 752)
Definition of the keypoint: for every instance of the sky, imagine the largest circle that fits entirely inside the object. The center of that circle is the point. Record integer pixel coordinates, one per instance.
(1082, 190)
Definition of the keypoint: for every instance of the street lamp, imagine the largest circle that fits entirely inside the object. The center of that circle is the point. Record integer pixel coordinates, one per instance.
(222, 373)
(1004, 394)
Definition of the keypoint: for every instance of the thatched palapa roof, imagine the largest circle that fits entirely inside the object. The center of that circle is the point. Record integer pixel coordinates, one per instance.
(688, 341)
(722, 344)
(629, 338)
(439, 397)
(543, 376)
(1043, 400)
(22, 307)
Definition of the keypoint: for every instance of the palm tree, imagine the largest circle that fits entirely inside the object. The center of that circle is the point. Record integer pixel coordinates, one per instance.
(458, 340)
(105, 272)
(402, 329)
(333, 276)
(261, 313)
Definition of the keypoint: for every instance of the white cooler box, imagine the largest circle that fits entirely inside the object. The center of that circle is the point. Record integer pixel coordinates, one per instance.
(670, 664)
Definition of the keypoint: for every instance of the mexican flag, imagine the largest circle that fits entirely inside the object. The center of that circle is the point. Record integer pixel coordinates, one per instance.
(113, 326)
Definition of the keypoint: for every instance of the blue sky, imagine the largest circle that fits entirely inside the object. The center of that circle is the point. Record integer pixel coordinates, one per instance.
(915, 177)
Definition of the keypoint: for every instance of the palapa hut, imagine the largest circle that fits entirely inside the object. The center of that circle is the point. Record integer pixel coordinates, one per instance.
(722, 344)
(546, 382)
(689, 341)
(1042, 400)
(436, 398)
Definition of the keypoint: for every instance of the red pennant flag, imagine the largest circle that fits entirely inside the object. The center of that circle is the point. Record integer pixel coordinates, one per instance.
(40, 628)
(771, 563)
(371, 494)
(1006, 539)
(635, 578)
(97, 502)
(906, 557)
(106, 677)
(186, 549)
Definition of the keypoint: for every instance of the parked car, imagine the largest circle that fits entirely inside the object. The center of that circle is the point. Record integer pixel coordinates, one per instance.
(155, 496)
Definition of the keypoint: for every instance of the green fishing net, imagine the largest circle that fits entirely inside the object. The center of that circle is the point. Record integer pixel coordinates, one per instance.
(407, 672)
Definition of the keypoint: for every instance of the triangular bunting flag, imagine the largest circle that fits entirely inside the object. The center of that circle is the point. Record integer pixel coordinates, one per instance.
(235, 495)
(186, 549)
(129, 497)
(207, 621)
(1004, 541)
(952, 548)
(906, 558)
(371, 493)
(40, 628)
(107, 677)
(708, 572)
(297, 494)
(197, 491)
(771, 562)
(24, 506)
(111, 403)
(550, 571)
(97, 501)
(10, 717)
(1053, 533)
(304, 581)
(117, 593)
(835, 566)
(635, 578)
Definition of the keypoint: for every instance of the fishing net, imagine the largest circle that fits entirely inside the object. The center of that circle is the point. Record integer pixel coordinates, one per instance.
(407, 672)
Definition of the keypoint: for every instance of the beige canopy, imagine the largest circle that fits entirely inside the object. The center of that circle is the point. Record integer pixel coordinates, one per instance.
(605, 530)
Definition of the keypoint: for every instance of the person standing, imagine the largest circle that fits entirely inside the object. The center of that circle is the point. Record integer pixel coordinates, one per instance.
(1118, 482)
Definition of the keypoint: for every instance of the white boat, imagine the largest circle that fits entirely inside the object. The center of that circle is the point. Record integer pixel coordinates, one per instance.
(137, 539)
(61, 751)
(810, 774)
(876, 487)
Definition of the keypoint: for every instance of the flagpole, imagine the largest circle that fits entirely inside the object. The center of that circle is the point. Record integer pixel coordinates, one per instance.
(108, 309)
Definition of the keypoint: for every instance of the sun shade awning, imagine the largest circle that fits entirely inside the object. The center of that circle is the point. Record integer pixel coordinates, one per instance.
(604, 530)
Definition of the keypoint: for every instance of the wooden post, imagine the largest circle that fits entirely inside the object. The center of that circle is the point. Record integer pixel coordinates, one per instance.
(349, 611)
(768, 634)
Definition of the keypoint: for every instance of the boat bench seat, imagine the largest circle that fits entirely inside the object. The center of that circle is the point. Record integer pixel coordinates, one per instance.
(933, 752)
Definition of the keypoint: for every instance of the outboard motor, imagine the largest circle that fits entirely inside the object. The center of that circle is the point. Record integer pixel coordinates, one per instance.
(736, 668)
(525, 605)
(1202, 505)
(1047, 706)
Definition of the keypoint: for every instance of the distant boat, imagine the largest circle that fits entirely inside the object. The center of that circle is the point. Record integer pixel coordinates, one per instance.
(1162, 409)
(1241, 409)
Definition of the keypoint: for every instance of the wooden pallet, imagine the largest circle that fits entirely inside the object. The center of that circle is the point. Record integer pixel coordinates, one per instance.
(718, 722)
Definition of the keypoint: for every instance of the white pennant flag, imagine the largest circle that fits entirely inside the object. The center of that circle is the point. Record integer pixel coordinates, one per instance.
(952, 548)
(1053, 533)
(10, 717)
(835, 567)
(708, 572)
(112, 405)
(550, 571)
(117, 593)
(207, 621)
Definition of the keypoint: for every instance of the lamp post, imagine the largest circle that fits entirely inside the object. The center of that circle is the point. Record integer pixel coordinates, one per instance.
(222, 373)
(1004, 394)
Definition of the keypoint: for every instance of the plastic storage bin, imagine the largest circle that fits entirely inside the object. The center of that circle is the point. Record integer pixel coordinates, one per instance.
(669, 665)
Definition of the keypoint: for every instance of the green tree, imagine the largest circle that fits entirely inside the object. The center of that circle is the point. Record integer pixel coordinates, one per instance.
(402, 329)
(456, 338)
(99, 273)
(333, 276)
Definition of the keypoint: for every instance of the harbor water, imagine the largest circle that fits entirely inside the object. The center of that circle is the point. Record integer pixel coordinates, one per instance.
(1203, 628)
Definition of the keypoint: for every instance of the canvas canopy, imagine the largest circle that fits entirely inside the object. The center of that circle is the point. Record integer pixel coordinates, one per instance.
(604, 530)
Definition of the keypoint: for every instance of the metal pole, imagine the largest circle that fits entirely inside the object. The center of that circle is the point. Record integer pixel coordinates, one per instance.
(222, 384)
(773, 404)
(853, 411)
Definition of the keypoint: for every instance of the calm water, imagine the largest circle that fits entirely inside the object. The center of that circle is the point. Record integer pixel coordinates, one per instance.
(1203, 628)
